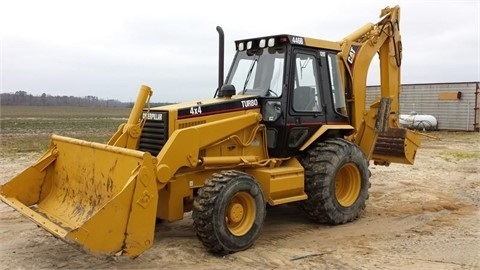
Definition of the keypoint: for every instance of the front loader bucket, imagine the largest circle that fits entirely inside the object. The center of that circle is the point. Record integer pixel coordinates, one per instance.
(397, 145)
(100, 197)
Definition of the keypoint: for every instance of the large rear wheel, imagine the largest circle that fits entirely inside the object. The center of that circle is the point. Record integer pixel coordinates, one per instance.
(228, 212)
(336, 181)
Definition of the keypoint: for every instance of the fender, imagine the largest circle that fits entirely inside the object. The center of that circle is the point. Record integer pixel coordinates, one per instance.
(322, 130)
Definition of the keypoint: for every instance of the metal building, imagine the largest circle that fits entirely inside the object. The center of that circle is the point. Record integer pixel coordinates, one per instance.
(454, 105)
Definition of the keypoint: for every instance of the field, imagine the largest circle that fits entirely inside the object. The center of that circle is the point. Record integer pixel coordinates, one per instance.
(28, 128)
(424, 216)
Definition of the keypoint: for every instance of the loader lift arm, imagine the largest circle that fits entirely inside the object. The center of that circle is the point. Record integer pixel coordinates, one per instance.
(182, 148)
(186, 142)
(127, 134)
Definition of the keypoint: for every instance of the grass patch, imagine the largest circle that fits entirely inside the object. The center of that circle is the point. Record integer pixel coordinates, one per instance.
(456, 155)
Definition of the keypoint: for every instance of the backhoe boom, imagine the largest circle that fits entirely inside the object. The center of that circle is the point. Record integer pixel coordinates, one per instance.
(358, 49)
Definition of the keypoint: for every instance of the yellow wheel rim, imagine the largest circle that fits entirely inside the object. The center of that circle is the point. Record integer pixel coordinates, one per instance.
(240, 214)
(347, 185)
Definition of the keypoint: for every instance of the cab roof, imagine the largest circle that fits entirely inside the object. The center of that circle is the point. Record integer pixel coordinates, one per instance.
(275, 40)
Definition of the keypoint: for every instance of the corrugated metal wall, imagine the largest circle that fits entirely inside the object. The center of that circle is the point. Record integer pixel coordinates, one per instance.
(451, 113)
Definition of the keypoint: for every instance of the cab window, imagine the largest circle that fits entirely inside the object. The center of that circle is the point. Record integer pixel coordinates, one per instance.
(338, 92)
(306, 96)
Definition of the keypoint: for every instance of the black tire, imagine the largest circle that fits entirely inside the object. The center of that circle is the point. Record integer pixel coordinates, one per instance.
(336, 181)
(229, 212)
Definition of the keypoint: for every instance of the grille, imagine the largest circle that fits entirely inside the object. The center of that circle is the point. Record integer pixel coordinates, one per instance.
(191, 124)
(154, 136)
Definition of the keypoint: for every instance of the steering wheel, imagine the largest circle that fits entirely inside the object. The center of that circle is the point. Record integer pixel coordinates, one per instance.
(270, 92)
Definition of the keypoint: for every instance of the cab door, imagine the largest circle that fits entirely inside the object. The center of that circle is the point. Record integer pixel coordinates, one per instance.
(301, 110)
(306, 112)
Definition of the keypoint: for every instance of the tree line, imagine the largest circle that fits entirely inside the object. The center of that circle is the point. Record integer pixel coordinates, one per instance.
(22, 98)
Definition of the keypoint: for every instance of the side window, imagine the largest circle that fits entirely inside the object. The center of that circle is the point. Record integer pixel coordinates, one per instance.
(306, 97)
(338, 92)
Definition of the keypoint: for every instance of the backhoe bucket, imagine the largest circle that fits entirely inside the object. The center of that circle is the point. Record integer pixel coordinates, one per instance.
(100, 197)
(397, 145)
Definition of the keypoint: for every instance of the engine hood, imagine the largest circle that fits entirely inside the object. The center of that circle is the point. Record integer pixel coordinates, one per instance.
(211, 106)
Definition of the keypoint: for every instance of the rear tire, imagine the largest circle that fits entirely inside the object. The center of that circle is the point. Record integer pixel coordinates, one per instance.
(336, 181)
(229, 212)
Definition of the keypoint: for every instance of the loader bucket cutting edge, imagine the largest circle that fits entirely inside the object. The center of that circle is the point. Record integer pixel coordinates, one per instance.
(99, 197)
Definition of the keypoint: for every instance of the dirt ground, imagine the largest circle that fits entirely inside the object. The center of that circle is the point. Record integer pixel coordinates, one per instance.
(424, 216)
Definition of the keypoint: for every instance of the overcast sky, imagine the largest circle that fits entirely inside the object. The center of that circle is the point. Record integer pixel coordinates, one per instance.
(109, 48)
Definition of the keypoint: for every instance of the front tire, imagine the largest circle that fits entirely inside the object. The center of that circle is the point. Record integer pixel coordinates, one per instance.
(229, 212)
(336, 181)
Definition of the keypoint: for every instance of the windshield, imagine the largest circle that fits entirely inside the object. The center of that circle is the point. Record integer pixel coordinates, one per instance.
(258, 72)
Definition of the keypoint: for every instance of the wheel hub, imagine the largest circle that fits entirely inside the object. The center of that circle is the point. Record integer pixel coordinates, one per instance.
(240, 214)
(348, 185)
(236, 212)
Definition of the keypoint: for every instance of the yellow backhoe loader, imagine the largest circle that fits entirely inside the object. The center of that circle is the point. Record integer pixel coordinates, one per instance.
(288, 124)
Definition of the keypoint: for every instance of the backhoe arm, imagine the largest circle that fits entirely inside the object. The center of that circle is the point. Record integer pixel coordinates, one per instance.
(358, 49)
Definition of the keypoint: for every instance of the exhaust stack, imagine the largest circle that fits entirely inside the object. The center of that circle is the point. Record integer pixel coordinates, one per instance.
(221, 50)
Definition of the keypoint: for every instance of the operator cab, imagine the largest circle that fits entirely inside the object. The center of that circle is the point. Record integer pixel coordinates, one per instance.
(297, 82)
